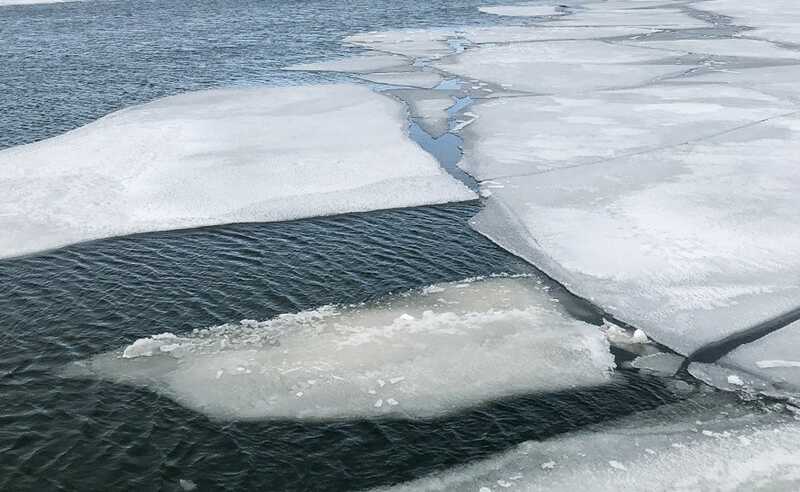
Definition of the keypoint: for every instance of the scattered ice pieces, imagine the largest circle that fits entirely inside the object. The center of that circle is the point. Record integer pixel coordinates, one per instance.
(735, 380)
(549, 465)
(617, 465)
(187, 485)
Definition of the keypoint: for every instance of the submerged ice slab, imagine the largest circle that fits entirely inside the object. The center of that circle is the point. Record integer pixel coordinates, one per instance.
(561, 66)
(534, 134)
(216, 157)
(418, 354)
(371, 62)
(703, 444)
(691, 244)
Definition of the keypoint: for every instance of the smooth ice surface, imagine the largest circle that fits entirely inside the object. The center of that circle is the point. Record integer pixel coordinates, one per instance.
(521, 10)
(599, 14)
(422, 80)
(703, 444)
(413, 43)
(371, 62)
(561, 66)
(724, 47)
(779, 81)
(214, 157)
(535, 134)
(776, 20)
(774, 359)
(691, 244)
(509, 34)
(663, 363)
(418, 354)
(428, 108)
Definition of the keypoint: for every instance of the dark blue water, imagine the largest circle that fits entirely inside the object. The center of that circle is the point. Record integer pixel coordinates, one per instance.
(64, 65)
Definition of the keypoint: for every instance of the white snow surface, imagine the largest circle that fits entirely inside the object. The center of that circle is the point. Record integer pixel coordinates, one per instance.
(691, 243)
(700, 445)
(215, 157)
(522, 10)
(561, 66)
(418, 354)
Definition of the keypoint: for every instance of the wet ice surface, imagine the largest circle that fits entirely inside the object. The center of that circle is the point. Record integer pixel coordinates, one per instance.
(711, 443)
(421, 80)
(522, 10)
(419, 354)
(228, 156)
(355, 64)
(776, 21)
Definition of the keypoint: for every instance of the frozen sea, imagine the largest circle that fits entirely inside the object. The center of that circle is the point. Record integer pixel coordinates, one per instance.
(64, 65)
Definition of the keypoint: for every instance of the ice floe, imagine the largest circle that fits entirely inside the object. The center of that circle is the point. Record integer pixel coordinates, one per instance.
(516, 34)
(600, 14)
(662, 363)
(535, 134)
(412, 43)
(779, 81)
(691, 244)
(422, 80)
(561, 66)
(523, 10)
(702, 444)
(417, 354)
(370, 62)
(213, 157)
(724, 47)
(776, 20)
(428, 109)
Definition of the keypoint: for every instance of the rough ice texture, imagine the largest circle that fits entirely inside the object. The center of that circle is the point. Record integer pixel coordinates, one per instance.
(509, 34)
(561, 66)
(413, 43)
(534, 134)
(699, 445)
(217, 157)
(691, 244)
(724, 47)
(422, 80)
(776, 20)
(523, 10)
(371, 62)
(418, 354)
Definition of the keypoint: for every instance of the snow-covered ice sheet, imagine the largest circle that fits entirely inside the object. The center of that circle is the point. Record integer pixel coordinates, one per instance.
(691, 243)
(368, 63)
(724, 47)
(413, 43)
(509, 34)
(418, 354)
(534, 134)
(422, 80)
(704, 444)
(214, 157)
(523, 10)
(776, 20)
(561, 67)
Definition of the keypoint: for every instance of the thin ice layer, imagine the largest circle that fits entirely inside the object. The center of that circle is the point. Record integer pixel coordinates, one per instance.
(422, 80)
(214, 157)
(534, 10)
(711, 443)
(413, 43)
(690, 244)
(724, 47)
(560, 67)
(368, 63)
(428, 108)
(535, 134)
(418, 354)
(513, 34)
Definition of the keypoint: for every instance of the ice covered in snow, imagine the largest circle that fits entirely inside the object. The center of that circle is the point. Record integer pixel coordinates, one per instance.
(534, 134)
(561, 66)
(417, 354)
(724, 47)
(214, 157)
(422, 80)
(691, 243)
(413, 43)
(370, 62)
(776, 20)
(522, 10)
(702, 444)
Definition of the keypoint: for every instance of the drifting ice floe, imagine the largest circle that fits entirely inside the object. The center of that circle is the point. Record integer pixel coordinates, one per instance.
(372, 62)
(217, 157)
(422, 80)
(522, 10)
(601, 14)
(534, 134)
(561, 66)
(691, 244)
(413, 43)
(418, 354)
(697, 445)
(515, 34)
(778, 81)
(776, 20)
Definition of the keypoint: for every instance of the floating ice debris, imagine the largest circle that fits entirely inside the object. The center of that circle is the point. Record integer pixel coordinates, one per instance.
(372, 361)
(526, 135)
(372, 62)
(675, 456)
(147, 347)
(215, 157)
(187, 485)
(561, 66)
(428, 108)
(549, 465)
(691, 243)
(535, 10)
(735, 380)
(423, 80)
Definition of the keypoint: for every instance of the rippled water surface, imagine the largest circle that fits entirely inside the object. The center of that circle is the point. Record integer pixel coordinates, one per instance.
(64, 65)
